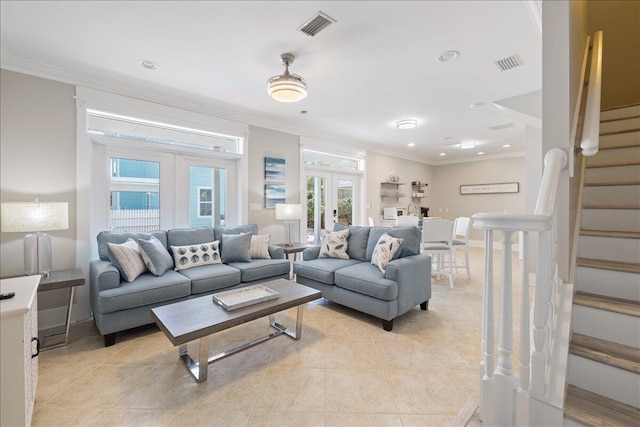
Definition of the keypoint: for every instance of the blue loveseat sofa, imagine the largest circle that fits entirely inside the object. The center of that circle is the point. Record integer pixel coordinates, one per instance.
(118, 305)
(361, 285)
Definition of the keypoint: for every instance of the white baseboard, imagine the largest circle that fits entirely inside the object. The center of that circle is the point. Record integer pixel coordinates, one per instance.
(54, 317)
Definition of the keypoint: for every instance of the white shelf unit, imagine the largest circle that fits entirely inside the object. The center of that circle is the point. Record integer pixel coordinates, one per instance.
(18, 350)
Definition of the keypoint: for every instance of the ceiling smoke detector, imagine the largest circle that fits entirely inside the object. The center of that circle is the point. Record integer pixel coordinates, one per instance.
(449, 55)
(316, 23)
(509, 63)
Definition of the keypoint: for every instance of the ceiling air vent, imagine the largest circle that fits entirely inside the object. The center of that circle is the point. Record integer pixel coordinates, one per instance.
(503, 126)
(509, 63)
(316, 23)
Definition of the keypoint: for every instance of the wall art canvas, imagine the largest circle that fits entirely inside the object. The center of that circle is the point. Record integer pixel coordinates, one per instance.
(273, 193)
(274, 169)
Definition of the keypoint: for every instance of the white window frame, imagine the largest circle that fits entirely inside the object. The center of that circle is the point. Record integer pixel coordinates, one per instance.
(200, 202)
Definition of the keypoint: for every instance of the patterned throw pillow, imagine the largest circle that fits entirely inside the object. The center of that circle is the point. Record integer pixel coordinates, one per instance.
(334, 245)
(259, 246)
(126, 257)
(196, 255)
(155, 256)
(383, 253)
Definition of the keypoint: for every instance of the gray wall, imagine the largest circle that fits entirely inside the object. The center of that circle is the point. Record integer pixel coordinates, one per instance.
(38, 160)
(446, 190)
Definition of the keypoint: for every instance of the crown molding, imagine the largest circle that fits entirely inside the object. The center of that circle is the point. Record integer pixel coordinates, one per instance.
(482, 158)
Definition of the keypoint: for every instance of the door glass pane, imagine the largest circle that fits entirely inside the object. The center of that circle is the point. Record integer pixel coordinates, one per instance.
(345, 201)
(207, 196)
(316, 208)
(134, 190)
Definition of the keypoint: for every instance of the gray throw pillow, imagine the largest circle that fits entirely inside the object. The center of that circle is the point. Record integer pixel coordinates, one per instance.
(235, 247)
(155, 256)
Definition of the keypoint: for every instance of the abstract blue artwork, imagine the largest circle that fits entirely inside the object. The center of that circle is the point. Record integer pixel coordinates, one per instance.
(274, 169)
(273, 193)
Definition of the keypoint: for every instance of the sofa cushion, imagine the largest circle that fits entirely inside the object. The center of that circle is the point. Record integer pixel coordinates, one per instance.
(105, 237)
(155, 256)
(189, 236)
(146, 289)
(259, 248)
(358, 238)
(366, 279)
(235, 247)
(411, 240)
(322, 269)
(259, 269)
(334, 245)
(196, 255)
(384, 251)
(211, 277)
(237, 229)
(126, 258)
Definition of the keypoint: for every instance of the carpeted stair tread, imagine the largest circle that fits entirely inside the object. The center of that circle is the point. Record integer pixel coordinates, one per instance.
(610, 206)
(591, 409)
(607, 352)
(610, 184)
(629, 162)
(606, 233)
(603, 302)
(627, 267)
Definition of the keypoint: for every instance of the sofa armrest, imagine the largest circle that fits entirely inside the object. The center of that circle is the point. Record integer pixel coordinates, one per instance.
(413, 276)
(103, 275)
(310, 253)
(276, 252)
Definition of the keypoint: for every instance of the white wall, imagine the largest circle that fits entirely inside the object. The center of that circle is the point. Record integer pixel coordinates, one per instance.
(446, 190)
(37, 159)
(266, 142)
(379, 167)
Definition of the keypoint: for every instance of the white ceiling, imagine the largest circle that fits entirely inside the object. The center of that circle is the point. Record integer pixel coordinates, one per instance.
(378, 64)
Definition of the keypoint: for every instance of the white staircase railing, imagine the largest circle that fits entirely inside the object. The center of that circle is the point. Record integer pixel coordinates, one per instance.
(535, 396)
(507, 399)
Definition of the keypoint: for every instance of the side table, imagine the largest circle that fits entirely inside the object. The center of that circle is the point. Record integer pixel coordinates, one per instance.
(58, 280)
(295, 248)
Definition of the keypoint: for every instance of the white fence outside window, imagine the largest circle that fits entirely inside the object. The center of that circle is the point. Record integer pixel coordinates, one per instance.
(134, 220)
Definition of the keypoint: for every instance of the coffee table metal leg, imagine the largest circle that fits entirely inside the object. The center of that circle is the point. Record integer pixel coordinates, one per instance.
(298, 332)
(197, 368)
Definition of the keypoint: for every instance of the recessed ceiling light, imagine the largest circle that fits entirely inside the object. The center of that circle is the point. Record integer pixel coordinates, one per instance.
(407, 124)
(148, 64)
(411, 144)
(449, 55)
(465, 145)
(480, 153)
(443, 154)
(506, 146)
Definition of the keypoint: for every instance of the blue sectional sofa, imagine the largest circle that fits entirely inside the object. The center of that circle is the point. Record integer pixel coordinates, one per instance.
(118, 304)
(357, 283)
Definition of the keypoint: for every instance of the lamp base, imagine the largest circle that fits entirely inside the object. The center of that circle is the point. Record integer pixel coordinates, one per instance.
(37, 254)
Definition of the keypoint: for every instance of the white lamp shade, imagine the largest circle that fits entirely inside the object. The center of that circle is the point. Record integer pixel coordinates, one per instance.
(28, 217)
(288, 212)
(287, 89)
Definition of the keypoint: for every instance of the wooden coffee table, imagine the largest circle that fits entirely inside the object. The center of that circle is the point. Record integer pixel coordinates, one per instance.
(199, 318)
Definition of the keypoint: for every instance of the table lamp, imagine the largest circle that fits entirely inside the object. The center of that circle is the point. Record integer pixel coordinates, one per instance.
(35, 218)
(288, 213)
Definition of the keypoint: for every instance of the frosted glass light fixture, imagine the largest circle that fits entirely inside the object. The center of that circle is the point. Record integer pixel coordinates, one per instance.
(466, 145)
(287, 87)
(289, 213)
(35, 218)
(407, 124)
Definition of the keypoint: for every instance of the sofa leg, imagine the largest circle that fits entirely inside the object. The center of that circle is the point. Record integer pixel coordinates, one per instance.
(387, 325)
(109, 339)
(424, 305)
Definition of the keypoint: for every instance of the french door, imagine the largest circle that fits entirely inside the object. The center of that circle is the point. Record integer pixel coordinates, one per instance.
(331, 198)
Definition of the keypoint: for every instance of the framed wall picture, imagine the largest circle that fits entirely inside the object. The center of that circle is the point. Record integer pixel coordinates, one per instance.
(274, 169)
(273, 193)
(504, 187)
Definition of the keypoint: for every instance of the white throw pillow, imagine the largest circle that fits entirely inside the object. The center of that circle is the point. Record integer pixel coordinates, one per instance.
(189, 256)
(126, 257)
(259, 246)
(383, 253)
(334, 245)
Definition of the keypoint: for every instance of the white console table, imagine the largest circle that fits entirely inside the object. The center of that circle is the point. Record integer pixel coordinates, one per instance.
(19, 348)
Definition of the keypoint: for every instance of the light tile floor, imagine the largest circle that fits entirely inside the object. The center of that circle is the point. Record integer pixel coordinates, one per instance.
(345, 371)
